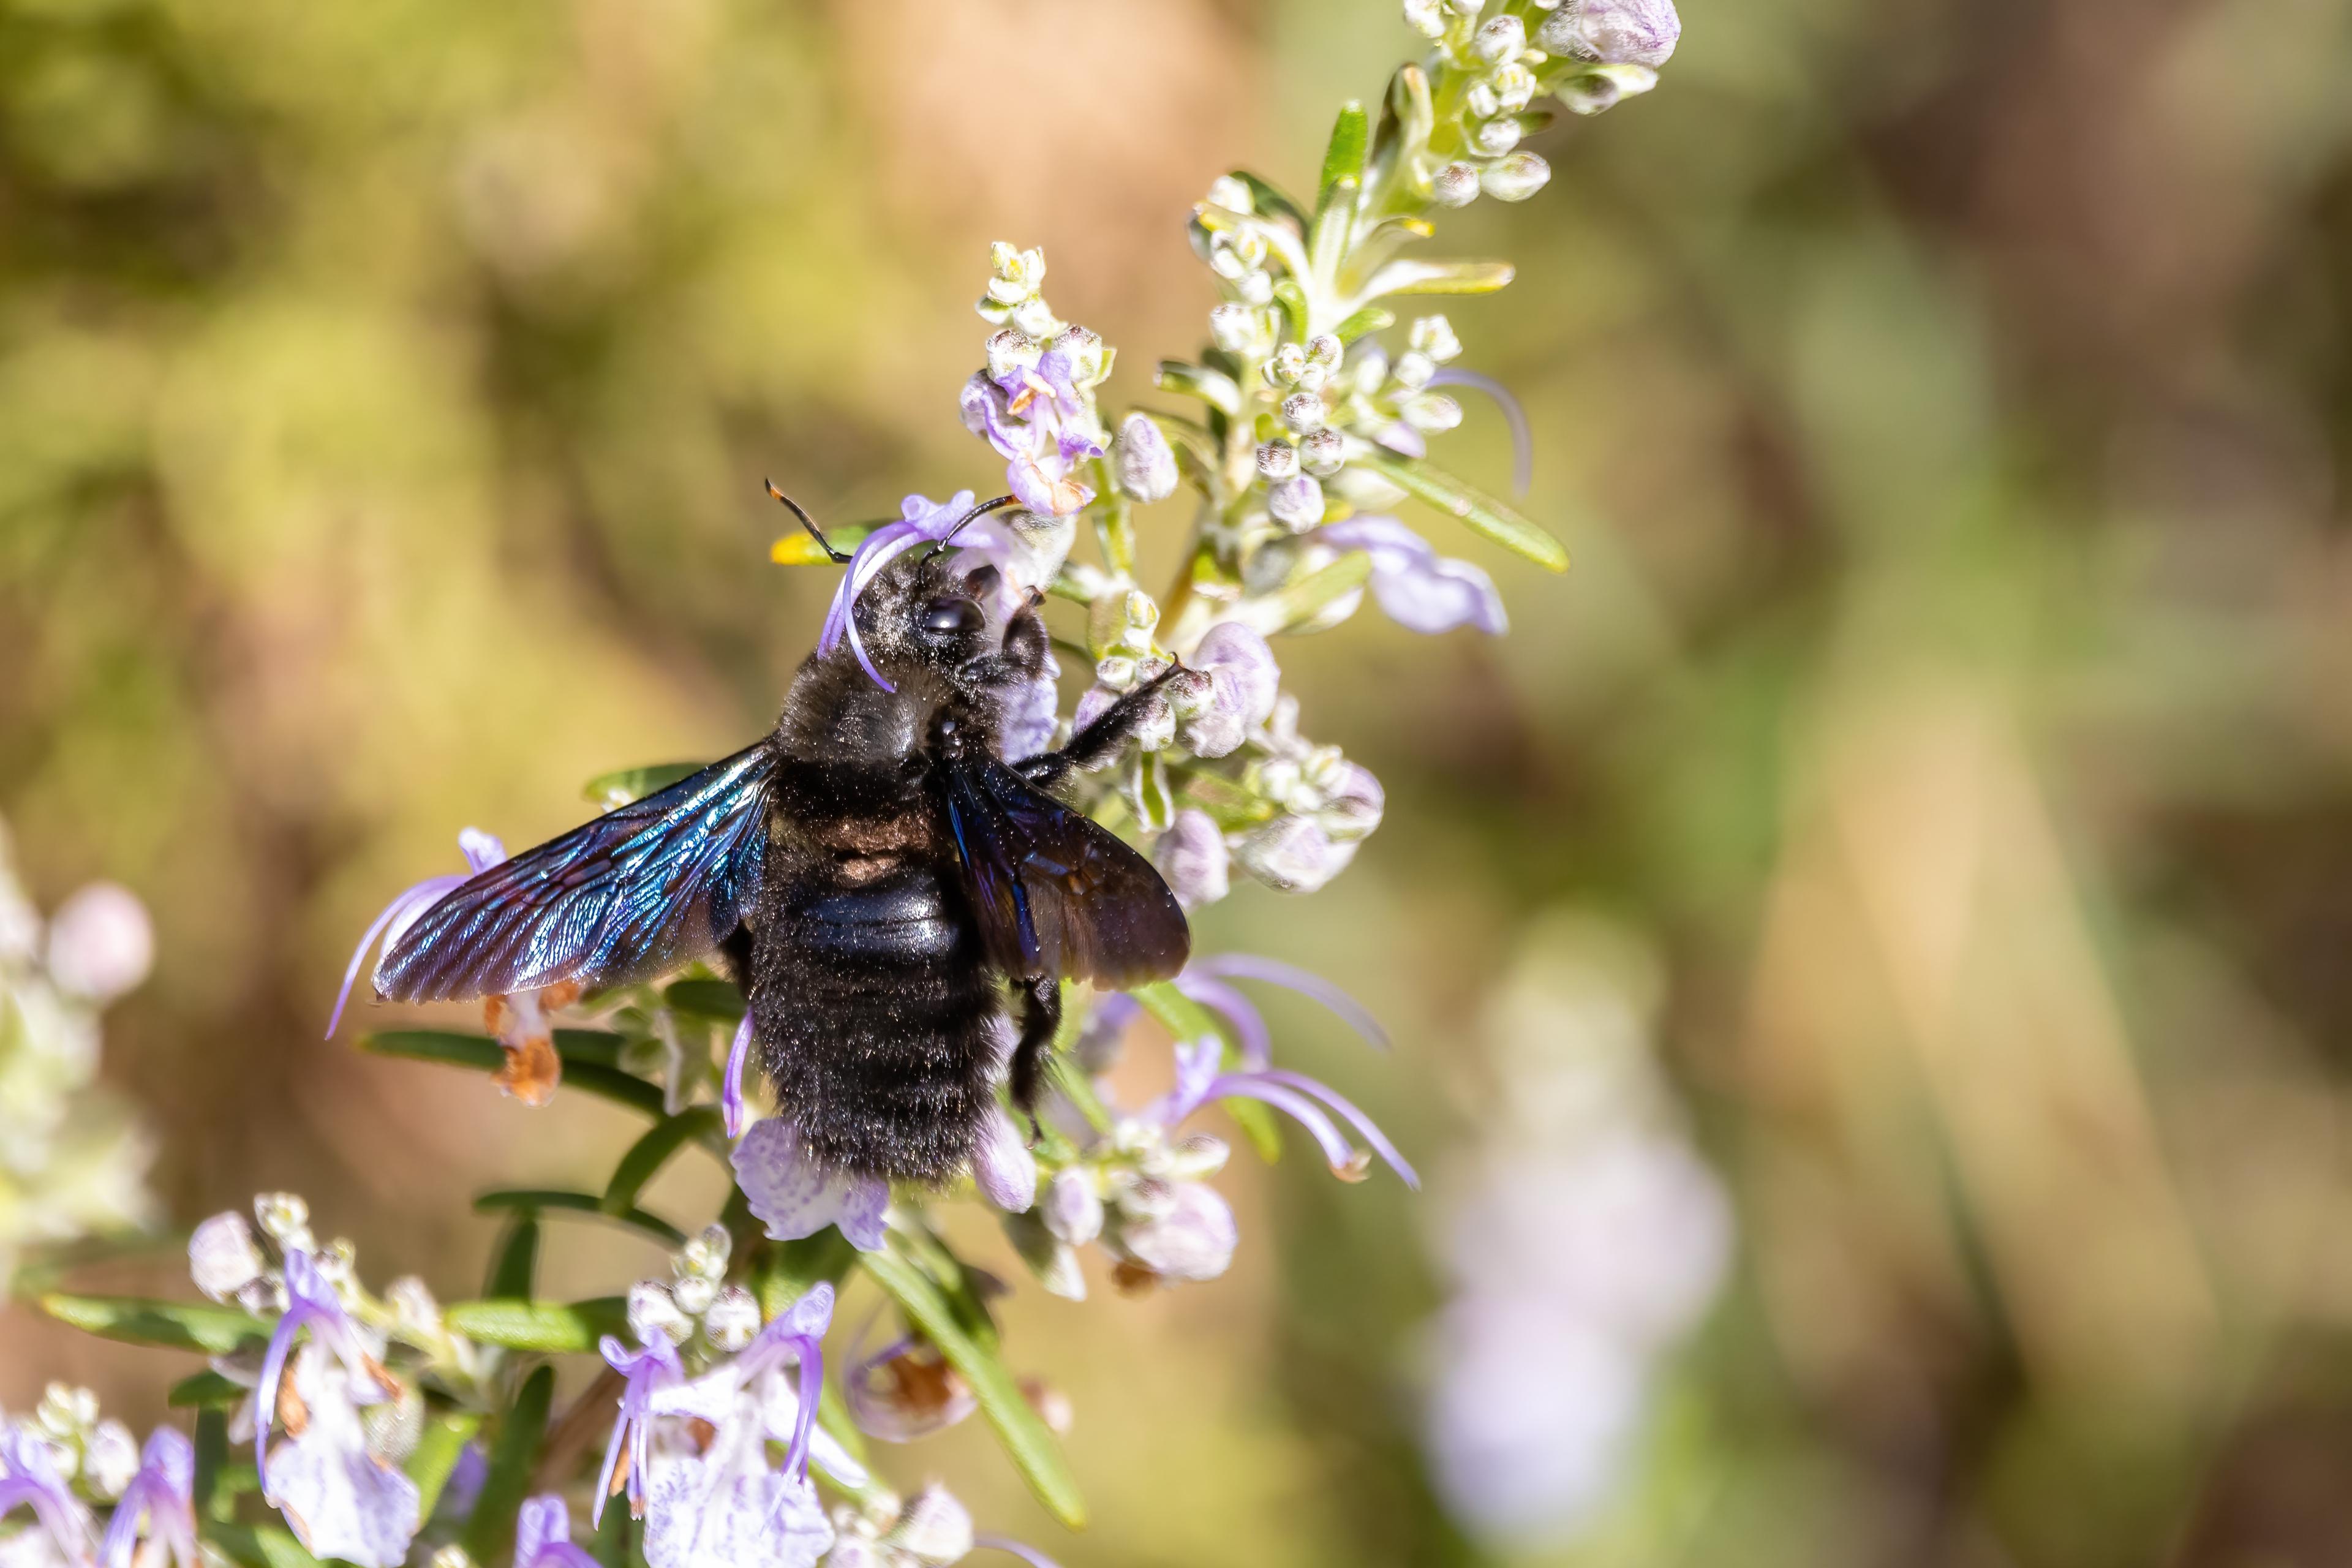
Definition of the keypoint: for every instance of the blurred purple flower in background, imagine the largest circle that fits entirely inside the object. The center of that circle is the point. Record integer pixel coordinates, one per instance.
(158, 1506)
(1583, 1238)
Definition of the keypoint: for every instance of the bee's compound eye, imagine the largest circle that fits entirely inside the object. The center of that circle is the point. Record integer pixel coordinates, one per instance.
(952, 617)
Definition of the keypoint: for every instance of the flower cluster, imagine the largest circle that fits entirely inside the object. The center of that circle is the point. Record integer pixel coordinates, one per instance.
(63, 1462)
(69, 1164)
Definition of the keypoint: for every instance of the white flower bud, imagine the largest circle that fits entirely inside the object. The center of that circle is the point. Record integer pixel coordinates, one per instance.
(1432, 411)
(1454, 185)
(1603, 87)
(110, 1459)
(1256, 287)
(1515, 178)
(1114, 672)
(1467, 7)
(1482, 102)
(1369, 369)
(1072, 1211)
(1287, 362)
(1496, 137)
(1089, 360)
(1232, 193)
(1614, 32)
(1321, 452)
(451, 1556)
(1032, 318)
(694, 1294)
(100, 943)
(1413, 369)
(1293, 855)
(1303, 411)
(1191, 1235)
(1325, 350)
(653, 1312)
(222, 1257)
(1237, 329)
(285, 1218)
(935, 1530)
(1297, 503)
(731, 1318)
(1011, 349)
(1145, 462)
(1500, 39)
(1197, 1156)
(415, 1312)
(1191, 857)
(1277, 460)
(1002, 1165)
(67, 1411)
(705, 1256)
(1353, 804)
(1433, 337)
(1514, 87)
(1426, 17)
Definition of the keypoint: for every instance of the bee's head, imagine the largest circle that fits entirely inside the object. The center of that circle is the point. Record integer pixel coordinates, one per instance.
(935, 619)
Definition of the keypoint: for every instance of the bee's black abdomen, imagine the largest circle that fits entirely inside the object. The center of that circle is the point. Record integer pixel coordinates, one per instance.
(879, 1018)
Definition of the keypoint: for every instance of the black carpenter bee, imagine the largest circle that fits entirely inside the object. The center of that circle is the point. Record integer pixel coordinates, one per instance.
(885, 886)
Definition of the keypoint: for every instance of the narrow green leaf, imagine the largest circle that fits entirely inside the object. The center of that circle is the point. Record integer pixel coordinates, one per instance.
(719, 1000)
(1371, 318)
(556, 1327)
(1268, 201)
(1294, 308)
(549, 1200)
(1214, 387)
(259, 1546)
(205, 1390)
(212, 1502)
(1482, 514)
(1438, 278)
(517, 1266)
(429, 1466)
(797, 548)
(618, 788)
(649, 1154)
(1407, 119)
(1031, 1445)
(489, 1533)
(485, 1054)
(1343, 155)
(138, 1321)
(1296, 603)
(1188, 1020)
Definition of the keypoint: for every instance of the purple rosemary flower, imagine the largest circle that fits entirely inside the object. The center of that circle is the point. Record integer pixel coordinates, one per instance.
(931, 1530)
(1041, 423)
(1193, 857)
(341, 1499)
(724, 1504)
(1523, 442)
(1421, 590)
(1613, 32)
(1235, 682)
(793, 1196)
(1293, 854)
(161, 1496)
(644, 1372)
(1166, 1230)
(543, 1535)
(29, 1477)
(1145, 462)
(732, 1111)
(1002, 1167)
(482, 850)
(1200, 1078)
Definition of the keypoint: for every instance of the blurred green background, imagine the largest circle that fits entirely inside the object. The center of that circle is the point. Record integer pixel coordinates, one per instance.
(1950, 710)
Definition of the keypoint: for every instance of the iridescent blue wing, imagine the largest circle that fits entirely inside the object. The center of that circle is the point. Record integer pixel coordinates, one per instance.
(630, 895)
(1055, 894)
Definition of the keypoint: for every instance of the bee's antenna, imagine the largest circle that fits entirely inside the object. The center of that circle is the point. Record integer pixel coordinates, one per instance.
(835, 556)
(982, 510)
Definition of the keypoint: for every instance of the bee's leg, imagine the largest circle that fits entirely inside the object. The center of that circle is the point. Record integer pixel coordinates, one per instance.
(1041, 1019)
(1099, 741)
(736, 954)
